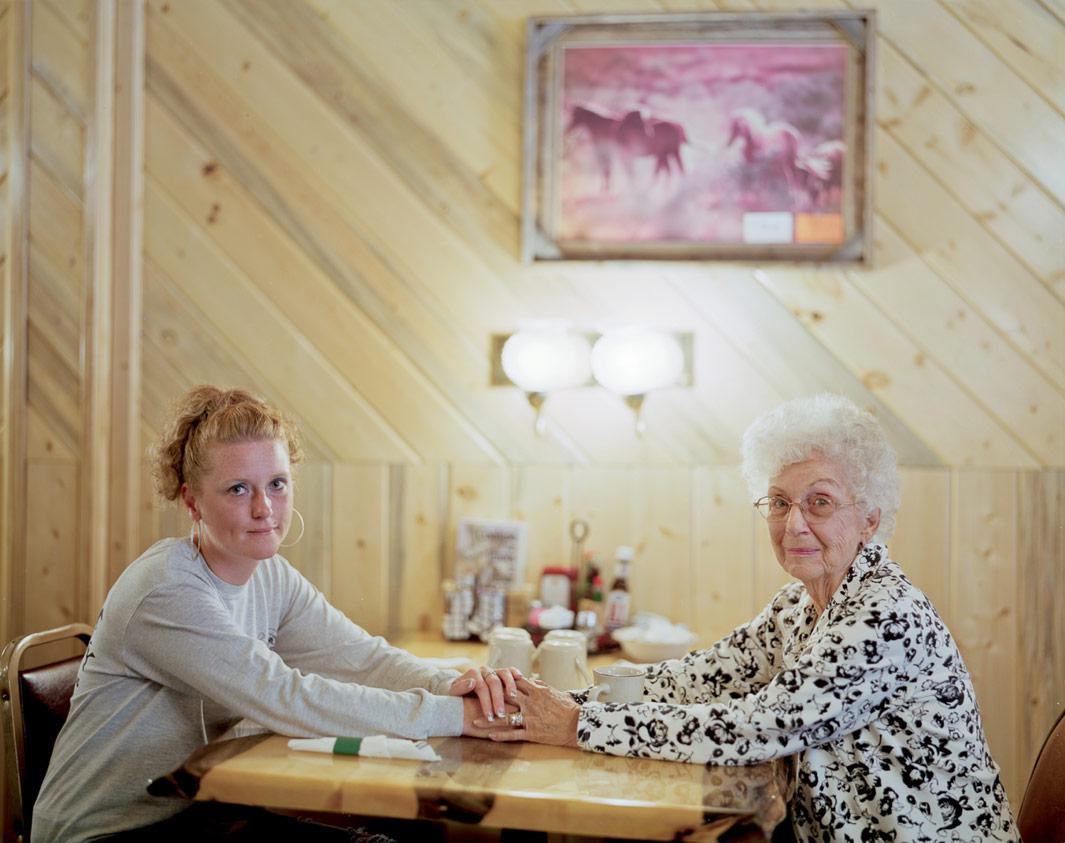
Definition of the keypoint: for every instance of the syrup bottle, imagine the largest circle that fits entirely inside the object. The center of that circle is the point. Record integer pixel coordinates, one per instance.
(618, 600)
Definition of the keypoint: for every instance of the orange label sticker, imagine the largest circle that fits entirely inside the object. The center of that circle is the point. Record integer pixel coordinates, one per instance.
(818, 228)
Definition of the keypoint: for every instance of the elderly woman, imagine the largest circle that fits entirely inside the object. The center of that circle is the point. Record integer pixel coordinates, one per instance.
(202, 631)
(850, 668)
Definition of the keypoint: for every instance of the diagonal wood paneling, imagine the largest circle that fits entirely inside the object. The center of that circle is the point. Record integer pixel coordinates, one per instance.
(984, 363)
(319, 51)
(346, 338)
(1000, 195)
(59, 137)
(734, 304)
(280, 356)
(889, 363)
(181, 349)
(1025, 35)
(977, 267)
(993, 95)
(58, 254)
(60, 52)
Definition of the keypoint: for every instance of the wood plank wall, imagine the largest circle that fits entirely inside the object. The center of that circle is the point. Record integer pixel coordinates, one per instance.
(330, 216)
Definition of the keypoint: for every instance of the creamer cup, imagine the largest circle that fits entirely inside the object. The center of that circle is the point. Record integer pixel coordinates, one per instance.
(511, 646)
(618, 684)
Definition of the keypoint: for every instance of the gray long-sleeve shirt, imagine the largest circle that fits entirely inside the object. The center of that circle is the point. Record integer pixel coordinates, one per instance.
(178, 656)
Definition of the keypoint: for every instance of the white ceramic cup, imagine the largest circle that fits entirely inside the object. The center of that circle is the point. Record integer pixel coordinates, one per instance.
(618, 684)
(567, 635)
(577, 637)
(511, 646)
(563, 663)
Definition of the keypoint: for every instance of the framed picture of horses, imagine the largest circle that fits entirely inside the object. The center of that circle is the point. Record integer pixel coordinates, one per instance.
(709, 136)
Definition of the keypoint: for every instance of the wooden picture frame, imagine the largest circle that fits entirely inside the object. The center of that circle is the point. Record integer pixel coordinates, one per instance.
(710, 136)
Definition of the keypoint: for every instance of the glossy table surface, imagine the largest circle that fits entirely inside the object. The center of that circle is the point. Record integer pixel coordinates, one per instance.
(517, 785)
(499, 785)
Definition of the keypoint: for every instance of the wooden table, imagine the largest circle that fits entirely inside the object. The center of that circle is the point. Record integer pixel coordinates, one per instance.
(498, 785)
(506, 786)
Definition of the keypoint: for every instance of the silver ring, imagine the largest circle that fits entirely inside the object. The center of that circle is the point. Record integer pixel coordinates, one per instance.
(517, 720)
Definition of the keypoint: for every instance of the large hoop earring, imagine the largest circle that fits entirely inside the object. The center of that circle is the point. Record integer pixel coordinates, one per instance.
(196, 534)
(303, 528)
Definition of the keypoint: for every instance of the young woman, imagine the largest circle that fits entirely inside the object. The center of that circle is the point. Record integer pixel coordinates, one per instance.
(203, 631)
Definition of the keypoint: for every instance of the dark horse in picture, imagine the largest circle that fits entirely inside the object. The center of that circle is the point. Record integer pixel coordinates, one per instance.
(628, 138)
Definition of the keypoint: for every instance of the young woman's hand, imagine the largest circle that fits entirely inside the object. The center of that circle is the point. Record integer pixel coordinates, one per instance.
(493, 687)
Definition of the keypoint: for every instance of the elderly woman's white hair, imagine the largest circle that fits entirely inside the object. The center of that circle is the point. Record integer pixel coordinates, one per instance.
(829, 426)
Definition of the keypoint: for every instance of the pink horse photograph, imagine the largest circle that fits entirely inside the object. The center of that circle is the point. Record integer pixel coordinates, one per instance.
(681, 141)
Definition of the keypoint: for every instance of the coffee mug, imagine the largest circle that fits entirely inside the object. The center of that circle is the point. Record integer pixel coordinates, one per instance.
(563, 663)
(511, 646)
(567, 635)
(618, 684)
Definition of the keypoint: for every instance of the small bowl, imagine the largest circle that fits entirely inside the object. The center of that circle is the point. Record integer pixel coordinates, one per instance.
(640, 648)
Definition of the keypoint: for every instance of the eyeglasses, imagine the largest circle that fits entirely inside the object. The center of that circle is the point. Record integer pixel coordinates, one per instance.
(815, 508)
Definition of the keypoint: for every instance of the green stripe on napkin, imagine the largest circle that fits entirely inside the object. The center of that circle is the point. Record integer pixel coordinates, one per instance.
(347, 746)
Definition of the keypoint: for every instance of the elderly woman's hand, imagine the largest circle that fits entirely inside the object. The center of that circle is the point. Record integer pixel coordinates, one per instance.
(547, 716)
(494, 687)
(474, 723)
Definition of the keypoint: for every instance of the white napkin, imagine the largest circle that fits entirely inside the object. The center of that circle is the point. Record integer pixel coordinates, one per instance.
(375, 746)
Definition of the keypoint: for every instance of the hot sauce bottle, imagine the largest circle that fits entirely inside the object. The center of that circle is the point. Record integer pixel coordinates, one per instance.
(618, 601)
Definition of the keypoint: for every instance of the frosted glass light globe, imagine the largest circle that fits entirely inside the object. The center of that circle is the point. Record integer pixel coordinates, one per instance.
(633, 361)
(546, 359)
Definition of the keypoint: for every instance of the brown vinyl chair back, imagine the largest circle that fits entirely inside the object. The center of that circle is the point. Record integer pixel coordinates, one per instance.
(35, 702)
(1042, 815)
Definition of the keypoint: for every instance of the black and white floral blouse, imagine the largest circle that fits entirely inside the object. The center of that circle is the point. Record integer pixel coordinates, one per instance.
(872, 697)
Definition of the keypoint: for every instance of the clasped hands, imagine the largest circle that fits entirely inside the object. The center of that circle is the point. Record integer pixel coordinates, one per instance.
(503, 705)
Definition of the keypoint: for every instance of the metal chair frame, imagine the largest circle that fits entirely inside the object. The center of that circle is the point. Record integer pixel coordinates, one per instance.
(16, 814)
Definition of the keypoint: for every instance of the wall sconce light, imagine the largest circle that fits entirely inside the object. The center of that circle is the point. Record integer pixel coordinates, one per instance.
(544, 359)
(629, 361)
(632, 361)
